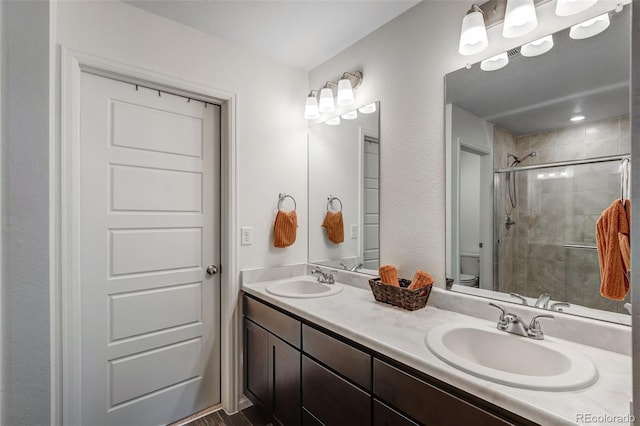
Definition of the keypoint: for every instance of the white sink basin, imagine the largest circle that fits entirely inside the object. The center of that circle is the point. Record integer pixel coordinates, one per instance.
(511, 360)
(303, 288)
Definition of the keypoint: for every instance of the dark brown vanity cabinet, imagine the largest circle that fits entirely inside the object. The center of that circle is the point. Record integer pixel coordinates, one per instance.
(301, 374)
(271, 364)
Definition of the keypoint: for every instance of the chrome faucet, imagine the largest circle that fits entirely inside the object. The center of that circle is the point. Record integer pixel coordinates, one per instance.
(354, 268)
(512, 323)
(543, 301)
(324, 277)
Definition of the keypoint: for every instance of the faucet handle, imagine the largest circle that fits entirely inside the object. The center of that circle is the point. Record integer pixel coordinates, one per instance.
(534, 327)
(503, 311)
(522, 299)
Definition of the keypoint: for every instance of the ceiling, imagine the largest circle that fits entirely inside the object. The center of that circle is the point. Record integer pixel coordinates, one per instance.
(532, 95)
(301, 33)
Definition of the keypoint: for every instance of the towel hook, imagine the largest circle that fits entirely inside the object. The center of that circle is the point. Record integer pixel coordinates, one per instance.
(330, 200)
(282, 196)
(624, 179)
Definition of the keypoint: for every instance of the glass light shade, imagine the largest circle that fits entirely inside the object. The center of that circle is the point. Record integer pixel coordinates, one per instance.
(326, 100)
(333, 121)
(351, 115)
(368, 109)
(311, 111)
(473, 35)
(345, 92)
(495, 62)
(519, 19)
(537, 47)
(590, 28)
(571, 7)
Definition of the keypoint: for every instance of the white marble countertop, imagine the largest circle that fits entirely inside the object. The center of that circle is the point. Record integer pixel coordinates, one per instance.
(400, 334)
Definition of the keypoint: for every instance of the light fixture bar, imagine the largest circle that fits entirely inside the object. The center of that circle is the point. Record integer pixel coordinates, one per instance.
(348, 82)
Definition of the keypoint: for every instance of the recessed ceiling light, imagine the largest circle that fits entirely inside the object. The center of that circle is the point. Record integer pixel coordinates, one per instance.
(577, 118)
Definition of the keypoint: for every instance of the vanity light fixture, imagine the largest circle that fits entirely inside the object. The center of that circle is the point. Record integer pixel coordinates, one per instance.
(473, 35)
(368, 109)
(590, 28)
(311, 111)
(351, 115)
(537, 47)
(326, 100)
(519, 19)
(495, 63)
(333, 121)
(571, 7)
(345, 87)
(345, 92)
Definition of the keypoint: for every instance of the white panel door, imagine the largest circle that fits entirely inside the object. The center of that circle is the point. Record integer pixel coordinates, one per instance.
(149, 227)
(370, 203)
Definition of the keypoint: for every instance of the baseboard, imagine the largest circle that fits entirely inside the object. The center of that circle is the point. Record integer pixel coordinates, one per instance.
(243, 403)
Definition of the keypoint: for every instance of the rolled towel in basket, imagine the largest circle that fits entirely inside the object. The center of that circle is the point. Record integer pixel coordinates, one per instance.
(421, 279)
(389, 275)
(284, 230)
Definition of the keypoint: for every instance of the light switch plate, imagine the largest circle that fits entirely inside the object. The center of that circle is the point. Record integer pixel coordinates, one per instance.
(354, 231)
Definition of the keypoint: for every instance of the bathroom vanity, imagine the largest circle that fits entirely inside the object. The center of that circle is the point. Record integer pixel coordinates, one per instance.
(301, 373)
(346, 359)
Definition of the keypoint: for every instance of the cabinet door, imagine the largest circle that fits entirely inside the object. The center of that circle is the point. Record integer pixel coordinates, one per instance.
(285, 367)
(256, 365)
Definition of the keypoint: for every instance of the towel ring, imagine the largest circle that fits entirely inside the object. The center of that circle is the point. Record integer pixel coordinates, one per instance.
(282, 196)
(330, 200)
(624, 179)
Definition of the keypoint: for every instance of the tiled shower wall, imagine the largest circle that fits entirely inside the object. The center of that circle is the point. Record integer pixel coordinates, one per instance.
(551, 212)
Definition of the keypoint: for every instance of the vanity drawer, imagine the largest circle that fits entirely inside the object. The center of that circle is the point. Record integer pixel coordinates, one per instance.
(331, 399)
(352, 363)
(424, 402)
(387, 416)
(283, 326)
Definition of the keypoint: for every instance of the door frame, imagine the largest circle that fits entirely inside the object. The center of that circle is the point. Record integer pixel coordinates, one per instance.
(65, 227)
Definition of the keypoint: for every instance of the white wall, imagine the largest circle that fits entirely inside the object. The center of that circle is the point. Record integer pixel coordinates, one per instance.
(404, 63)
(25, 213)
(271, 152)
(271, 132)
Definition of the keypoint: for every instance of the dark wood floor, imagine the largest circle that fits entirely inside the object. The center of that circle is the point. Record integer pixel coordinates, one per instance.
(247, 417)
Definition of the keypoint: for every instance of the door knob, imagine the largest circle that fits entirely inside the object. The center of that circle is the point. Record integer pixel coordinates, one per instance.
(212, 270)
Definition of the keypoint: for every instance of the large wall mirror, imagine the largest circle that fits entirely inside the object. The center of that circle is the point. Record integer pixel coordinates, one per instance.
(535, 152)
(344, 181)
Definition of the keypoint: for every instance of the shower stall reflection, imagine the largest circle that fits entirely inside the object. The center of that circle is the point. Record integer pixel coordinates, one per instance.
(544, 224)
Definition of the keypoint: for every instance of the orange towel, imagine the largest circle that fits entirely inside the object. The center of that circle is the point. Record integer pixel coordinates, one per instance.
(284, 230)
(335, 226)
(612, 229)
(421, 279)
(389, 275)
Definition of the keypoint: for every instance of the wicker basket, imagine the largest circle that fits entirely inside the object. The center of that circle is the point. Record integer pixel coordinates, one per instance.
(400, 296)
